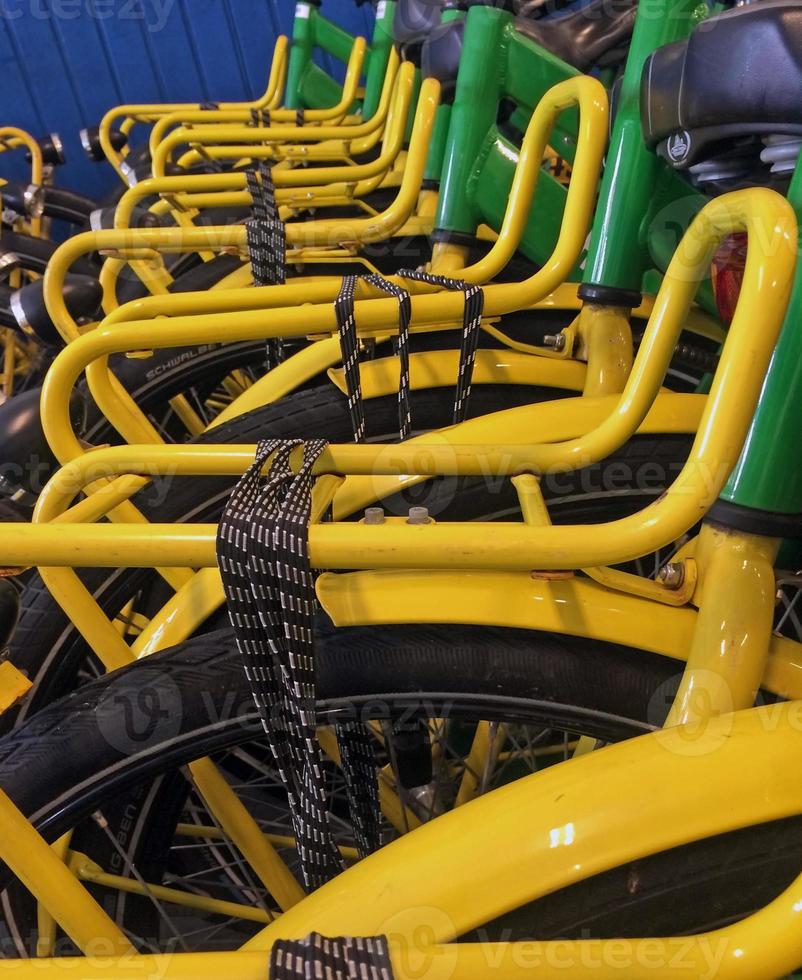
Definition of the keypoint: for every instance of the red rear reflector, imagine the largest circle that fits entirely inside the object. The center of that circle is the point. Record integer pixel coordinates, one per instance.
(728, 273)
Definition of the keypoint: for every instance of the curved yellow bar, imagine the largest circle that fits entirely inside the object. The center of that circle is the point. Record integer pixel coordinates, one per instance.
(368, 229)
(201, 121)
(131, 114)
(185, 190)
(13, 137)
(590, 97)
(769, 272)
(333, 115)
(110, 394)
(583, 91)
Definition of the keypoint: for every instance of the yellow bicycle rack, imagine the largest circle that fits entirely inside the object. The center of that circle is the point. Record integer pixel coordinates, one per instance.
(551, 829)
(313, 144)
(11, 138)
(133, 114)
(251, 302)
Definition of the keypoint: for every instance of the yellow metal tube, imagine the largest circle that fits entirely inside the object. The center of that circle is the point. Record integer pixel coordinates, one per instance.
(194, 602)
(131, 114)
(590, 97)
(332, 115)
(238, 145)
(13, 136)
(321, 289)
(736, 599)
(206, 118)
(50, 881)
(372, 228)
(202, 120)
(604, 340)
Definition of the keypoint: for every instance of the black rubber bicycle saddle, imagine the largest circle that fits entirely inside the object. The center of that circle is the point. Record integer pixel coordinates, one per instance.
(738, 75)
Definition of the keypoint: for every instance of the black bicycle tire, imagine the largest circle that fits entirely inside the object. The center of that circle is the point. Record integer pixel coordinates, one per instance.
(78, 752)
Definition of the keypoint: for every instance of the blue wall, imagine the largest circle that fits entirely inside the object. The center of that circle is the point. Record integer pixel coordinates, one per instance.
(64, 62)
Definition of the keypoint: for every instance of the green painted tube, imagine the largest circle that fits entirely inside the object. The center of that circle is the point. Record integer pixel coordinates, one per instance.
(301, 47)
(768, 475)
(381, 45)
(472, 114)
(616, 257)
(496, 61)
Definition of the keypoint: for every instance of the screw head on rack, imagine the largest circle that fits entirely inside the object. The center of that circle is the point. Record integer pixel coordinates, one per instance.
(418, 515)
(374, 515)
(555, 341)
(672, 575)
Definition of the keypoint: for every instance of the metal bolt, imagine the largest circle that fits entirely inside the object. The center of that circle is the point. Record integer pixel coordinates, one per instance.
(418, 515)
(555, 341)
(374, 515)
(672, 575)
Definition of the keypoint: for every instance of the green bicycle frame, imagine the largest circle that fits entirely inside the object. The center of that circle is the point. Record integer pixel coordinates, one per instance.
(768, 477)
(627, 239)
(498, 62)
(308, 86)
(617, 258)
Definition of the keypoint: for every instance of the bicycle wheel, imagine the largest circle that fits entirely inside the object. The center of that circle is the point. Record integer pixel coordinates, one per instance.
(117, 749)
(48, 649)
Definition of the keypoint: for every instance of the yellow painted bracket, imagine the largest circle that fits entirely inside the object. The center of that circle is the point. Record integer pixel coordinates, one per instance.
(14, 685)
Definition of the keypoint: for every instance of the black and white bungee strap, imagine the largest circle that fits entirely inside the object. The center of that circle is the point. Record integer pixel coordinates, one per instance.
(349, 344)
(260, 117)
(471, 324)
(263, 554)
(349, 349)
(321, 958)
(267, 243)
